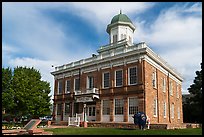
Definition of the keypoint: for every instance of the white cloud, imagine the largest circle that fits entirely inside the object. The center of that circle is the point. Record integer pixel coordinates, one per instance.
(176, 38)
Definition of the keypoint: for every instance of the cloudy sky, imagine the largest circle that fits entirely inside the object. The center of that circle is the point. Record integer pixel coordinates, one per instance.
(46, 34)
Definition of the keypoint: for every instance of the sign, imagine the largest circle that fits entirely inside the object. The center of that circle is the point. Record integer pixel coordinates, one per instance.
(32, 124)
(84, 99)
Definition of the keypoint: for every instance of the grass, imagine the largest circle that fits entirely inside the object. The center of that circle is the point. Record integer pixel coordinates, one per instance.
(122, 131)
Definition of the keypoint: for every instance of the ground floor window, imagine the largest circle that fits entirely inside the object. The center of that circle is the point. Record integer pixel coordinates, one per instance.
(133, 106)
(59, 109)
(119, 106)
(67, 108)
(106, 107)
(91, 111)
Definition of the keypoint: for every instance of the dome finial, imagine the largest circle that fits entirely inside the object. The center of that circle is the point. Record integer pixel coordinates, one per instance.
(120, 11)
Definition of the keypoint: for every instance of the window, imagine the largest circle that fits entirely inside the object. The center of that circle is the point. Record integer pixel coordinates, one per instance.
(130, 39)
(67, 86)
(59, 109)
(155, 107)
(118, 78)
(133, 106)
(106, 80)
(90, 83)
(106, 107)
(67, 108)
(91, 111)
(172, 110)
(76, 84)
(123, 36)
(154, 79)
(119, 106)
(171, 88)
(60, 83)
(177, 90)
(115, 39)
(132, 76)
(178, 112)
(164, 84)
(164, 109)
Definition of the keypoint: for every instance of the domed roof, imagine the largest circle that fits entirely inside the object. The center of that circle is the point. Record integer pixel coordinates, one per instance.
(120, 17)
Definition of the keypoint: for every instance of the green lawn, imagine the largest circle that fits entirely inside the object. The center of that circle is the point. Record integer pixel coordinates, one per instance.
(122, 131)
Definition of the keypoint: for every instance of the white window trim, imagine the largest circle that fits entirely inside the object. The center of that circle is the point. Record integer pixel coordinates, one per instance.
(74, 83)
(58, 87)
(115, 77)
(164, 110)
(66, 86)
(87, 82)
(179, 114)
(172, 110)
(103, 80)
(177, 90)
(154, 75)
(155, 115)
(129, 75)
(164, 84)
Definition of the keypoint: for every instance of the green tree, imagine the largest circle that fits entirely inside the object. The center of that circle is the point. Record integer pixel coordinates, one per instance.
(7, 92)
(193, 106)
(30, 94)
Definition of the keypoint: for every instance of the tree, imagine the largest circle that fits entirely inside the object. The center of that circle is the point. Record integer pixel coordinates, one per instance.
(7, 92)
(193, 106)
(30, 94)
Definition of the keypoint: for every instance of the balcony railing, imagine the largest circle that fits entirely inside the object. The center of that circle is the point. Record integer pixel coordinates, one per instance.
(88, 91)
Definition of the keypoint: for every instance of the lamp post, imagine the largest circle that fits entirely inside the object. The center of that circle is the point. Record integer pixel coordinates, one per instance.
(84, 122)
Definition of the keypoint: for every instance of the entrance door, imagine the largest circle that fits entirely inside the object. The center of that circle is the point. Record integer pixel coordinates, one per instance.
(91, 113)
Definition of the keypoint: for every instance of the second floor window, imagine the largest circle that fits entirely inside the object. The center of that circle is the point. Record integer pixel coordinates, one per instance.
(118, 78)
(154, 79)
(164, 84)
(90, 82)
(76, 84)
(106, 80)
(67, 86)
(133, 76)
(60, 85)
(171, 88)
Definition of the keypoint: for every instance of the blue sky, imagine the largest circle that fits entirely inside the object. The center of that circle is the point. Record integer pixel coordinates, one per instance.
(41, 34)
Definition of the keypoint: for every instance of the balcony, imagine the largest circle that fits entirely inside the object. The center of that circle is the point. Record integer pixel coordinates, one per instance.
(88, 91)
(88, 96)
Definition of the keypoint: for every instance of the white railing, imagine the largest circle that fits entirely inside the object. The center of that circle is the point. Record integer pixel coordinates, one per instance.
(74, 121)
(88, 91)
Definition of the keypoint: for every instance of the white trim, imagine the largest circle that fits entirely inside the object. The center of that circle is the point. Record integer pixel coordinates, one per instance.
(155, 105)
(103, 79)
(129, 75)
(164, 109)
(66, 86)
(115, 77)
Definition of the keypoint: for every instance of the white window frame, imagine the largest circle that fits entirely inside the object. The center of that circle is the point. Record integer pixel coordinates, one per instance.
(66, 86)
(103, 80)
(116, 78)
(136, 106)
(59, 86)
(164, 109)
(117, 107)
(172, 110)
(154, 78)
(129, 76)
(155, 107)
(106, 106)
(75, 84)
(177, 90)
(179, 114)
(65, 108)
(171, 88)
(164, 84)
(115, 38)
(88, 82)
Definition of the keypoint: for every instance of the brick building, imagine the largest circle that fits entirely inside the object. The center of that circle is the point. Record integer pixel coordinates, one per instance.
(121, 80)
